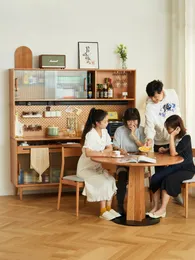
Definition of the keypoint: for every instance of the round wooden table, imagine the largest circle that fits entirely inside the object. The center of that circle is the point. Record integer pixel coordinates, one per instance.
(136, 190)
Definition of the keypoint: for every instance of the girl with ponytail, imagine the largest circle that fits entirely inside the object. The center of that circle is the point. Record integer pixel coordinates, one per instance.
(99, 184)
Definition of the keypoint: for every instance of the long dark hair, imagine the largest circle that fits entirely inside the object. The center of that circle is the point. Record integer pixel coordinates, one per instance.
(174, 121)
(95, 115)
(131, 114)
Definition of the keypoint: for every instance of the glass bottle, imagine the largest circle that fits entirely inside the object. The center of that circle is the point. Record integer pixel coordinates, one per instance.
(89, 91)
(98, 91)
(101, 91)
(110, 89)
(105, 89)
(89, 85)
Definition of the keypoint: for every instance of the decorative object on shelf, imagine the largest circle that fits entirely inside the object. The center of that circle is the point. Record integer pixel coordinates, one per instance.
(31, 114)
(52, 113)
(18, 127)
(32, 127)
(121, 49)
(124, 94)
(52, 61)
(120, 79)
(23, 57)
(88, 54)
(52, 131)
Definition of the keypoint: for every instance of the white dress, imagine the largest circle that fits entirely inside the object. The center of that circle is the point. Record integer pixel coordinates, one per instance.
(99, 184)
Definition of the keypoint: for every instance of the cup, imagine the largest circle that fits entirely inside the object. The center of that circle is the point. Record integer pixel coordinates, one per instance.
(116, 153)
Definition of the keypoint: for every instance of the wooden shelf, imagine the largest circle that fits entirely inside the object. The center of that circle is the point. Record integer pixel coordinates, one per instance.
(78, 99)
(44, 138)
(37, 184)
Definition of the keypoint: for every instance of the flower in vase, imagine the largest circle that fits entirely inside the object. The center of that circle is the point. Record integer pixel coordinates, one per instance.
(121, 50)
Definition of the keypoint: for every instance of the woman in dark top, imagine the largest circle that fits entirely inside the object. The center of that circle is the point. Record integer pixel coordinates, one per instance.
(169, 180)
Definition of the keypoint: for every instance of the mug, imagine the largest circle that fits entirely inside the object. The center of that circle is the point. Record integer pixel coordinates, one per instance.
(117, 153)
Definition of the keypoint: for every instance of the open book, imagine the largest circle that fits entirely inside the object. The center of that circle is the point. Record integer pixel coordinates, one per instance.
(139, 159)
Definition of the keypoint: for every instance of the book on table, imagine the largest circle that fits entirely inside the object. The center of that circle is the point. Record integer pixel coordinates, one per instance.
(139, 159)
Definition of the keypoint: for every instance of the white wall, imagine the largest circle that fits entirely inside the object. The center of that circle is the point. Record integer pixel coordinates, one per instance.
(56, 26)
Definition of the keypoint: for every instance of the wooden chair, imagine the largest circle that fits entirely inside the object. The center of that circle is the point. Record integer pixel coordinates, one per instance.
(186, 184)
(71, 180)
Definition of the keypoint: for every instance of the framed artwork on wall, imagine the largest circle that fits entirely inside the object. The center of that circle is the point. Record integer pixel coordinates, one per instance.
(88, 54)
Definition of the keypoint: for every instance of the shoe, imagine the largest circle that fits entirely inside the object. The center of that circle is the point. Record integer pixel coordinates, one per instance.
(107, 216)
(148, 213)
(152, 215)
(178, 200)
(114, 213)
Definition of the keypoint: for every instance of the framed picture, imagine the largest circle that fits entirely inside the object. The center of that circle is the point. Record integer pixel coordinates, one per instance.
(88, 55)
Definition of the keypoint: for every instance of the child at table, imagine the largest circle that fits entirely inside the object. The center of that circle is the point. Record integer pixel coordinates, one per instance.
(99, 184)
(169, 179)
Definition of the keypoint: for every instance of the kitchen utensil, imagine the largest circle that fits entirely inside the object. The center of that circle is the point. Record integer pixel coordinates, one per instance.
(52, 131)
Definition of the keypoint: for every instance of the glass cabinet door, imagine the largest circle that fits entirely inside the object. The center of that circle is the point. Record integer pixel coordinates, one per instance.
(44, 85)
(65, 84)
(30, 84)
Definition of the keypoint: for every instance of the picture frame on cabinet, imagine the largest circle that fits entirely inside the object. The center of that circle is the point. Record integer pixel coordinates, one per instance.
(88, 55)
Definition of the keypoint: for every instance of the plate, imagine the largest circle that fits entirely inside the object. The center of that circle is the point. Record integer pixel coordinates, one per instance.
(119, 156)
(144, 149)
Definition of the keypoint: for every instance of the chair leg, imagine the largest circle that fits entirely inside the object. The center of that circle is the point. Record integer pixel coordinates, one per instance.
(21, 193)
(184, 195)
(186, 200)
(59, 195)
(77, 199)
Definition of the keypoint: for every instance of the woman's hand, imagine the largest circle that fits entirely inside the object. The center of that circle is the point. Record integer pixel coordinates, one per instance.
(163, 150)
(133, 127)
(176, 131)
(123, 151)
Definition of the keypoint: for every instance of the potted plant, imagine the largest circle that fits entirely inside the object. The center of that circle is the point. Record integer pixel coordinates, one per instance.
(122, 51)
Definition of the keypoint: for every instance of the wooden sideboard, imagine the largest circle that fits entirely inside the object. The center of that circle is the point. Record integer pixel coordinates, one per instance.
(35, 90)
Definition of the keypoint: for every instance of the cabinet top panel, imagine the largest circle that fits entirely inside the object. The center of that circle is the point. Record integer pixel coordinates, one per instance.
(100, 70)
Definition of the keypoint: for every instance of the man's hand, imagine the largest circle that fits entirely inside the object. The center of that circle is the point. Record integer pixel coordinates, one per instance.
(148, 142)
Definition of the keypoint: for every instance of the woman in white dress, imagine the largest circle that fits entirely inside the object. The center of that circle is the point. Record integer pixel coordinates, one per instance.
(99, 184)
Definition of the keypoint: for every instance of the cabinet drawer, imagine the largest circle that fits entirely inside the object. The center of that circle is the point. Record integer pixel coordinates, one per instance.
(26, 149)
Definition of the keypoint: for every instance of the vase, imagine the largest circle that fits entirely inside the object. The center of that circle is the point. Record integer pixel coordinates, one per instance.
(124, 65)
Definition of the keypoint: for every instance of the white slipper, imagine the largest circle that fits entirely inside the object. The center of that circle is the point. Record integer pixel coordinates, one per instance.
(114, 213)
(107, 215)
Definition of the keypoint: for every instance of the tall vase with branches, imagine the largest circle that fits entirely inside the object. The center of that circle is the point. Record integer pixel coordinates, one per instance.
(121, 50)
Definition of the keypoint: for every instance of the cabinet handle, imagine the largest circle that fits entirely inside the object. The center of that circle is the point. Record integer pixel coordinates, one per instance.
(16, 84)
(85, 84)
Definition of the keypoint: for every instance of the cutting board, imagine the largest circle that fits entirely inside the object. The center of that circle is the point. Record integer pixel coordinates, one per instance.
(23, 57)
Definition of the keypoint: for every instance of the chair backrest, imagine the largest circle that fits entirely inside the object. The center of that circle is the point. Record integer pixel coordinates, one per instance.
(69, 152)
(193, 152)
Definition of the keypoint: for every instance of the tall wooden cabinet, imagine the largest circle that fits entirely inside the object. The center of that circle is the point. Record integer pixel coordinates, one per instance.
(34, 91)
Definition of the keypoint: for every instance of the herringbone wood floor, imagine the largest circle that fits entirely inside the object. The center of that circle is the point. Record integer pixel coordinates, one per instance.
(34, 229)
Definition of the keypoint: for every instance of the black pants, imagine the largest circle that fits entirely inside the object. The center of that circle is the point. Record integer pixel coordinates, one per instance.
(123, 173)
